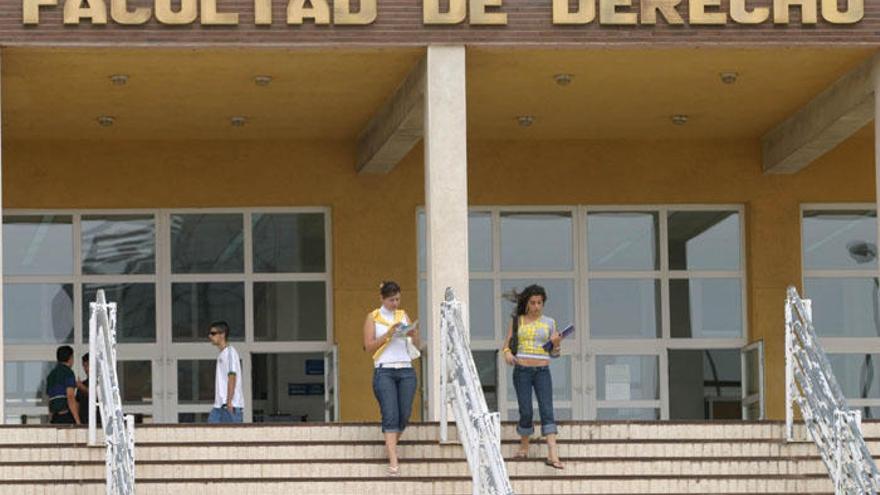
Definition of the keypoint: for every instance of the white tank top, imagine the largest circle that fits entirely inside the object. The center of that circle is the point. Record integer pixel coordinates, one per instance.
(396, 350)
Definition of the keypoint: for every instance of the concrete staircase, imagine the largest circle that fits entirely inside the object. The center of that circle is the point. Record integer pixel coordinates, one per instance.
(600, 457)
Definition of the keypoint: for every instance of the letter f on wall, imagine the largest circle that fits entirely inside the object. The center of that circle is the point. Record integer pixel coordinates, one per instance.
(30, 10)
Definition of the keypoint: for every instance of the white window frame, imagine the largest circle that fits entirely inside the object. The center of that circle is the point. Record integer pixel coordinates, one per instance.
(581, 347)
(163, 353)
(842, 345)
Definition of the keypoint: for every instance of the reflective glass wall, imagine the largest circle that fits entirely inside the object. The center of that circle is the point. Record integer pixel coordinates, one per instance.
(656, 293)
(265, 271)
(841, 278)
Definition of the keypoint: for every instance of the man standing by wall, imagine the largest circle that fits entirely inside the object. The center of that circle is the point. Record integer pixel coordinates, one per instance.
(228, 399)
(61, 389)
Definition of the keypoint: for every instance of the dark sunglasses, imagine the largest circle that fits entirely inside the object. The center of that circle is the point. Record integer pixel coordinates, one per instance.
(213, 333)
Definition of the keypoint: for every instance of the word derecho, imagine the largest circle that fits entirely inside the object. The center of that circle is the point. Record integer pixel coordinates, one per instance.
(478, 12)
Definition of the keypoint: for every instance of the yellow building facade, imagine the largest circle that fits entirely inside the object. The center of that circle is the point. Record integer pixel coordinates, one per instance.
(574, 134)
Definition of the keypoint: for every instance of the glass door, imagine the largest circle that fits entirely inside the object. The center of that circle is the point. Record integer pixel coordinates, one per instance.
(752, 357)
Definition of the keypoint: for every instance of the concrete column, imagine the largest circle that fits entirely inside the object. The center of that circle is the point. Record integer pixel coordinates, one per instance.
(875, 80)
(445, 142)
(2, 361)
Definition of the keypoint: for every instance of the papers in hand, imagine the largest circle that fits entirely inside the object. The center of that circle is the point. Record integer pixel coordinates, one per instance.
(403, 330)
(548, 346)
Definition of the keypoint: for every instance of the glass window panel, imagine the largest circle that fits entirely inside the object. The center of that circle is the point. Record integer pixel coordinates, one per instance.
(753, 372)
(704, 240)
(38, 313)
(424, 327)
(842, 239)
(290, 311)
(421, 226)
(195, 381)
(193, 417)
(207, 243)
(27, 419)
(559, 305)
(487, 368)
(135, 310)
(627, 413)
(536, 241)
(857, 374)
(136, 382)
(482, 309)
(623, 240)
(753, 411)
(706, 308)
(283, 390)
(624, 308)
(705, 384)
(25, 382)
(118, 244)
(289, 242)
(479, 241)
(195, 305)
(560, 370)
(869, 412)
(38, 245)
(623, 378)
(844, 307)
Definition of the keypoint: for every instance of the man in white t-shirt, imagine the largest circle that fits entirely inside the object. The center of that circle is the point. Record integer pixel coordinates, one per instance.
(228, 399)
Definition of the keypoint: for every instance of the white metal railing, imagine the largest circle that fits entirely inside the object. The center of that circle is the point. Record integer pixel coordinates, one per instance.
(103, 379)
(478, 429)
(810, 383)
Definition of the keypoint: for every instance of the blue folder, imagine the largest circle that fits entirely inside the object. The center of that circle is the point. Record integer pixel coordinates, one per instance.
(565, 333)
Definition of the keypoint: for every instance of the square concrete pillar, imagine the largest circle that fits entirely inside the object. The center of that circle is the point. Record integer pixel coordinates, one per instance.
(2, 357)
(445, 142)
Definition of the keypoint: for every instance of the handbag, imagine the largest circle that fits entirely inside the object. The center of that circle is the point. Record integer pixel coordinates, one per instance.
(513, 345)
(412, 350)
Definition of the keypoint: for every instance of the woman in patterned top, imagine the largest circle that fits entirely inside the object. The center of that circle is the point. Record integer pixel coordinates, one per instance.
(524, 349)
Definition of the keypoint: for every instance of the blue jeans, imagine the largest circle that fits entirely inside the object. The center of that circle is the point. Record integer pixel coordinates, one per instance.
(222, 415)
(525, 378)
(394, 388)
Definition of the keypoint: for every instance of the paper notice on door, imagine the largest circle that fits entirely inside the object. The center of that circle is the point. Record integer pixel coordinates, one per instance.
(617, 382)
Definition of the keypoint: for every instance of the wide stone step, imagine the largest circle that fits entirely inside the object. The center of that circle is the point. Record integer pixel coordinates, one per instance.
(418, 449)
(524, 485)
(416, 431)
(436, 468)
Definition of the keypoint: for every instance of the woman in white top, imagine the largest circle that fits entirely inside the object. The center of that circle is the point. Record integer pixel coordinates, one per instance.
(394, 380)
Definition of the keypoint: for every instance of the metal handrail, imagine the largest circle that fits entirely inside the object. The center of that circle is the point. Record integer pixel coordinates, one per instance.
(118, 428)
(833, 426)
(478, 429)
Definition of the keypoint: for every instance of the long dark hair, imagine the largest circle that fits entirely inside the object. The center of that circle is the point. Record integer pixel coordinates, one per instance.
(522, 298)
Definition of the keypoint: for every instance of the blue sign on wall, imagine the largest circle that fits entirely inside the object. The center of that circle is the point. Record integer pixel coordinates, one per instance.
(314, 366)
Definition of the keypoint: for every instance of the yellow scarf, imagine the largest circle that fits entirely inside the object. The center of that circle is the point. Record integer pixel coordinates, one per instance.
(377, 317)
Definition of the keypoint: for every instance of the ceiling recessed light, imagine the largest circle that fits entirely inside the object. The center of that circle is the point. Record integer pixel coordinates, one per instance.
(262, 80)
(563, 79)
(106, 120)
(679, 119)
(238, 121)
(119, 79)
(525, 120)
(728, 77)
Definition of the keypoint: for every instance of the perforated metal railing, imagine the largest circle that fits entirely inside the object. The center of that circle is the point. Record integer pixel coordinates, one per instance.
(810, 383)
(118, 428)
(478, 429)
